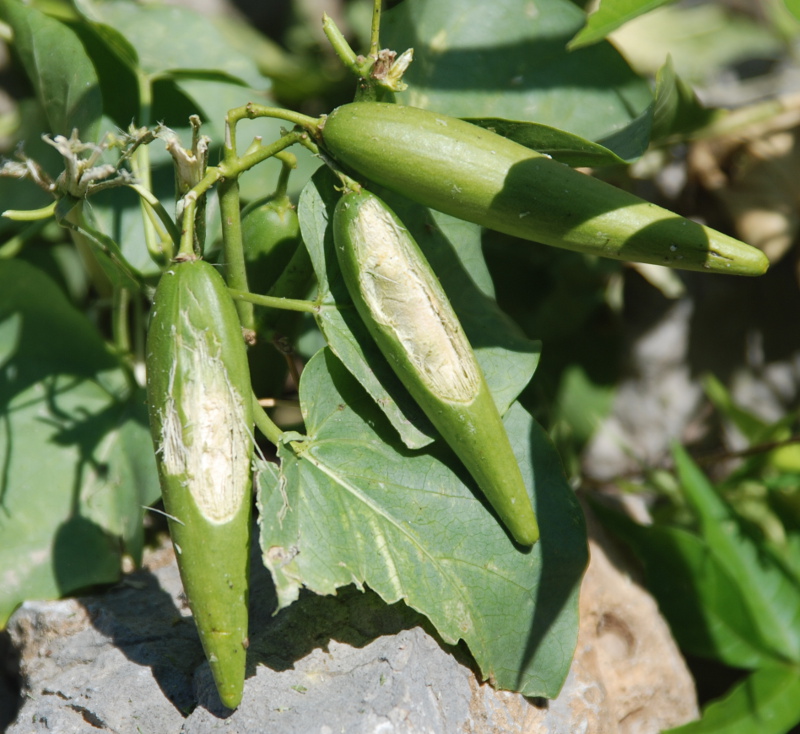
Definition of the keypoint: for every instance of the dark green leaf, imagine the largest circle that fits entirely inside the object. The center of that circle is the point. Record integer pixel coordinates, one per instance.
(609, 16)
(104, 249)
(170, 39)
(704, 605)
(764, 703)
(350, 504)
(768, 591)
(76, 459)
(509, 60)
(678, 111)
(59, 69)
(507, 358)
(563, 146)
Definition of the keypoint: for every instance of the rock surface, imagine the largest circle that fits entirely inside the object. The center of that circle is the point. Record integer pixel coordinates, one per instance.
(129, 661)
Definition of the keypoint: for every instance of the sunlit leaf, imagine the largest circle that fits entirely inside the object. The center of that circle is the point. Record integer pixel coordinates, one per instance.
(349, 504)
(763, 703)
(510, 60)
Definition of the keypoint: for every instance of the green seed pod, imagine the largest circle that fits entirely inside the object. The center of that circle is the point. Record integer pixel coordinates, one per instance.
(270, 234)
(198, 393)
(408, 314)
(473, 174)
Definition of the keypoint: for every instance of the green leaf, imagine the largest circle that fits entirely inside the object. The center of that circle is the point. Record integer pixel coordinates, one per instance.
(170, 39)
(507, 358)
(563, 146)
(677, 110)
(609, 16)
(59, 69)
(766, 702)
(703, 39)
(105, 250)
(75, 451)
(769, 592)
(509, 60)
(349, 504)
(705, 606)
(116, 64)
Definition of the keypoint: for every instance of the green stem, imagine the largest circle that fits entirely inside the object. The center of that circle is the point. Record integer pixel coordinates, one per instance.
(234, 168)
(30, 215)
(155, 240)
(186, 249)
(251, 111)
(265, 424)
(285, 304)
(375, 43)
(294, 281)
(145, 90)
(288, 164)
(340, 45)
(156, 206)
(233, 248)
(120, 326)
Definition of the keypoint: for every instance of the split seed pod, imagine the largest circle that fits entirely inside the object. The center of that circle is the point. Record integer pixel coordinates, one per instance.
(408, 314)
(198, 392)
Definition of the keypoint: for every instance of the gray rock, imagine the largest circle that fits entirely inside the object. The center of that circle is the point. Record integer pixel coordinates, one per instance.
(129, 661)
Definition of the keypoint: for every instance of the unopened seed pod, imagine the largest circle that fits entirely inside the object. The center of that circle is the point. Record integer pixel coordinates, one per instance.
(410, 317)
(199, 400)
(474, 174)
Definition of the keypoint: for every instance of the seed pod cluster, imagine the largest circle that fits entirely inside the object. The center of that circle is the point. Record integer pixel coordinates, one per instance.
(198, 392)
(410, 317)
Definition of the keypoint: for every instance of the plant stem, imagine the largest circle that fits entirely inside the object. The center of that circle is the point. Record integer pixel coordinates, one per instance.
(340, 45)
(286, 304)
(155, 205)
(251, 111)
(234, 168)
(30, 215)
(288, 164)
(119, 322)
(265, 424)
(235, 271)
(140, 163)
(186, 249)
(375, 43)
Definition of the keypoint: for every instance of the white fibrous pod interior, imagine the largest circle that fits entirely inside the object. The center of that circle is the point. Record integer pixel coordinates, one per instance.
(207, 441)
(403, 295)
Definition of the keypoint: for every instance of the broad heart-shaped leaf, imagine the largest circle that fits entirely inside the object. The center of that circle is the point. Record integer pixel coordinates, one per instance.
(507, 358)
(766, 702)
(705, 606)
(563, 146)
(508, 59)
(609, 16)
(59, 69)
(76, 455)
(770, 592)
(350, 505)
